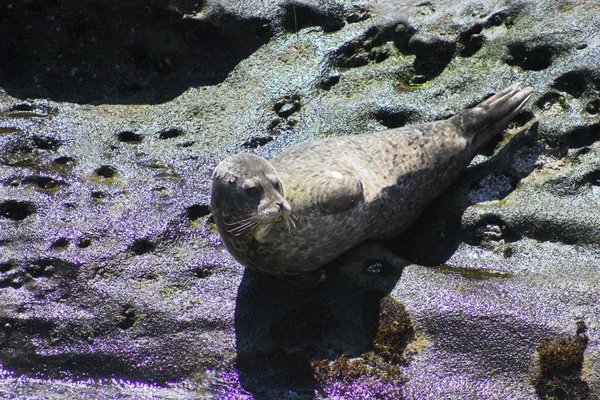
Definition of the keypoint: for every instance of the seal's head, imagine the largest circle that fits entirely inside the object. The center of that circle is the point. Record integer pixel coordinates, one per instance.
(247, 197)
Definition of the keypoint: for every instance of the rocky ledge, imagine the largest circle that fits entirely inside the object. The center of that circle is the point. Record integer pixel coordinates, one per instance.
(113, 279)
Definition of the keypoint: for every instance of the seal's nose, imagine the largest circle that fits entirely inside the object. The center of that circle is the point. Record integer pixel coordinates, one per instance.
(280, 205)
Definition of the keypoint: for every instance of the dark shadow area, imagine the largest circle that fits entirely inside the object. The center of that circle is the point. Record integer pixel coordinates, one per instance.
(129, 137)
(286, 337)
(83, 366)
(576, 82)
(433, 56)
(293, 340)
(471, 40)
(197, 211)
(329, 82)
(16, 210)
(582, 136)
(119, 52)
(531, 56)
(561, 362)
(369, 47)
(303, 15)
(394, 118)
(433, 53)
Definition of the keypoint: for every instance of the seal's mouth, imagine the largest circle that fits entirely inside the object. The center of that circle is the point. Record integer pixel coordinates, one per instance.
(260, 223)
(284, 216)
(260, 234)
(276, 211)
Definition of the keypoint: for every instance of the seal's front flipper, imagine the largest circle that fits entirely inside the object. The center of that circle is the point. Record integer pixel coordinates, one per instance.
(337, 192)
(307, 280)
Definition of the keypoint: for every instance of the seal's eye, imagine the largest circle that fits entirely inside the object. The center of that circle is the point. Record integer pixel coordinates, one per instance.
(251, 191)
(276, 185)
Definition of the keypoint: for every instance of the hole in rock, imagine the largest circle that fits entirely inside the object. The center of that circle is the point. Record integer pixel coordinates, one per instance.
(257, 141)
(299, 16)
(197, 211)
(64, 160)
(60, 243)
(530, 58)
(16, 210)
(142, 246)
(393, 119)
(99, 195)
(46, 143)
(83, 243)
(128, 318)
(129, 137)
(106, 171)
(170, 133)
(573, 82)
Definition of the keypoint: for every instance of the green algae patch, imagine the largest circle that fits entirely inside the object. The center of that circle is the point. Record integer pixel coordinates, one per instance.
(169, 291)
(9, 130)
(565, 8)
(560, 366)
(368, 376)
(350, 370)
(27, 111)
(395, 331)
(325, 135)
(472, 273)
(378, 371)
(52, 190)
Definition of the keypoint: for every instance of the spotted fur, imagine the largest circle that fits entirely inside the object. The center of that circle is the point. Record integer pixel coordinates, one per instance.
(320, 198)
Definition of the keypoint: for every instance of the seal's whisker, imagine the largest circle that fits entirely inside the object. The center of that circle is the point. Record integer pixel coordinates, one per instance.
(292, 221)
(242, 229)
(239, 228)
(245, 225)
(287, 221)
(248, 228)
(240, 222)
(246, 218)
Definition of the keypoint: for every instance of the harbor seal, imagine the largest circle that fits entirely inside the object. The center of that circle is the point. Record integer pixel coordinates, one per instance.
(290, 216)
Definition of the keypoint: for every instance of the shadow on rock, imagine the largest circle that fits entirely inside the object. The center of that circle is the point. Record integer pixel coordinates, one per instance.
(348, 330)
(127, 53)
(295, 341)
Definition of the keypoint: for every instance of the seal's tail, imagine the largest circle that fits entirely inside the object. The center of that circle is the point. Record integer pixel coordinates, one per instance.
(484, 121)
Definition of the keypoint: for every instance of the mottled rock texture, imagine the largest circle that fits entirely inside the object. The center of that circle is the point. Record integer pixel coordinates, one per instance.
(113, 115)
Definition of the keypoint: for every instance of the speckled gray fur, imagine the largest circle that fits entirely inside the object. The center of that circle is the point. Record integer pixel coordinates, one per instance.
(345, 190)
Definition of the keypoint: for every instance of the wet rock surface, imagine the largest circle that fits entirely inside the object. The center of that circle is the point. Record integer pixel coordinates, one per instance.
(113, 279)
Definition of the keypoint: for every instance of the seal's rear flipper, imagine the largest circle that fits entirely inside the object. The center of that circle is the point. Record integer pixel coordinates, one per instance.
(484, 121)
(307, 280)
